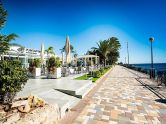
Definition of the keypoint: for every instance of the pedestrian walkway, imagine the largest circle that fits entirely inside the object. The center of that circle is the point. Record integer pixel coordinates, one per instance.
(121, 99)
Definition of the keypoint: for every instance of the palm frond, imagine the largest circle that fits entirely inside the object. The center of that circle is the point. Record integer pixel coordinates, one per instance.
(3, 15)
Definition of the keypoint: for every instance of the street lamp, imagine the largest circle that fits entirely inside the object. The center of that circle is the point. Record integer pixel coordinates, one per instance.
(152, 73)
(128, 53)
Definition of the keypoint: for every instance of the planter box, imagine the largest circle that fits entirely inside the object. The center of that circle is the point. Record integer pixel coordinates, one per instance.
(71, 71)
(36, 73)
(65, 72)
(57, 73)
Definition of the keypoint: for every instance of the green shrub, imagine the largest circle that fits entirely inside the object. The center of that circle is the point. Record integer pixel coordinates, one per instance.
(37, 63)
(107, 67)
(12, 78)
(101, 71)
(57, 62)
(34, 63)
(53, 63)
(96, 74)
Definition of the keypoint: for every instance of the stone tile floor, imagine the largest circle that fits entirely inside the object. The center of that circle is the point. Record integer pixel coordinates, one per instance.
(121, 99)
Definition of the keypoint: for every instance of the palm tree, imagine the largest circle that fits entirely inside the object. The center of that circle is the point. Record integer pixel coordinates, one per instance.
(5, 42)
(107, 50)
(4, 39)
(103, 49)
(3, 15)
(50, 50)
(20, 50)
(71, 48)
(114, 45)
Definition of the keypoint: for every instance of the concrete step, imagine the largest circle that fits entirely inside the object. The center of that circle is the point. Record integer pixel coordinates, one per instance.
(74, 86)
(82, 93)
(55, 91)
(31, 91)
(64, 101)
(87, 84)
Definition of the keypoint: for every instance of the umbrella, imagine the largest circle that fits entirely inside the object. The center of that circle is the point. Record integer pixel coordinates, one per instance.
(42, 53)
(67, 50)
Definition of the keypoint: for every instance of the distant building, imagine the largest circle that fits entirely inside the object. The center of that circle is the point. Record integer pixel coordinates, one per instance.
(24, 54)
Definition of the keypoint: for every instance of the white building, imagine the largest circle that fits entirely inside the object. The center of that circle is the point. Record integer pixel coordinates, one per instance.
(23, 54)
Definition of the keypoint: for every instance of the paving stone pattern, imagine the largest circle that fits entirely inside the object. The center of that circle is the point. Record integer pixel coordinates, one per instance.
(121, 99)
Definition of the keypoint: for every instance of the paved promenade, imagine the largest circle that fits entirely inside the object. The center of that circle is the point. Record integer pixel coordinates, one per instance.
(121, 99)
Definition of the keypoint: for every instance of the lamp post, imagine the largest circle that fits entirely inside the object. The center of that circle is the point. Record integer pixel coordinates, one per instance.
(125, 60)
(128, 53)
(152, 74)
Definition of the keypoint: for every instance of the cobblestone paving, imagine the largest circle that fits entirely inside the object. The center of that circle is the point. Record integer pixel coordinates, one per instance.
(153, 84)
(121, 99)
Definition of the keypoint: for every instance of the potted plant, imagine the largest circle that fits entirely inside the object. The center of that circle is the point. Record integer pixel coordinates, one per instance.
(12, 79)
(35, 67)
(54, 70)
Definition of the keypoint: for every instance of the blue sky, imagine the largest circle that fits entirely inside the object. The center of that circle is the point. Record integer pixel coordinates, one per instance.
(88, 21)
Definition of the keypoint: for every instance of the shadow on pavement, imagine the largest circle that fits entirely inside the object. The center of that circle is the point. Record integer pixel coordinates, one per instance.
(161, 100)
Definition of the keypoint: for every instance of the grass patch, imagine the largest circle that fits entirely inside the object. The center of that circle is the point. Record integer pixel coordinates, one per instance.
(93, 77)
(83, 77)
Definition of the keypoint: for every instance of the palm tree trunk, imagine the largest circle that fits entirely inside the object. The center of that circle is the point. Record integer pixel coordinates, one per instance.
(18, 57)
(105, 62)
(2, 57)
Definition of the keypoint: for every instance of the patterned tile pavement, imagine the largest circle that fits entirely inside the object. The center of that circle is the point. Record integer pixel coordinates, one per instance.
(121, 99)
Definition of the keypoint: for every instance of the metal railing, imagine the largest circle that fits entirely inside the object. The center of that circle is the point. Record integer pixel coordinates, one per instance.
(159, 76)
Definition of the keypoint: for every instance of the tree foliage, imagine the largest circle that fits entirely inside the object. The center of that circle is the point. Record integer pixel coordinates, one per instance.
(54, 62)
(71, 48)
(3, 15)
(12, 77)
(50, 50)
(35, 63)
(107, 50)
(4, 39)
